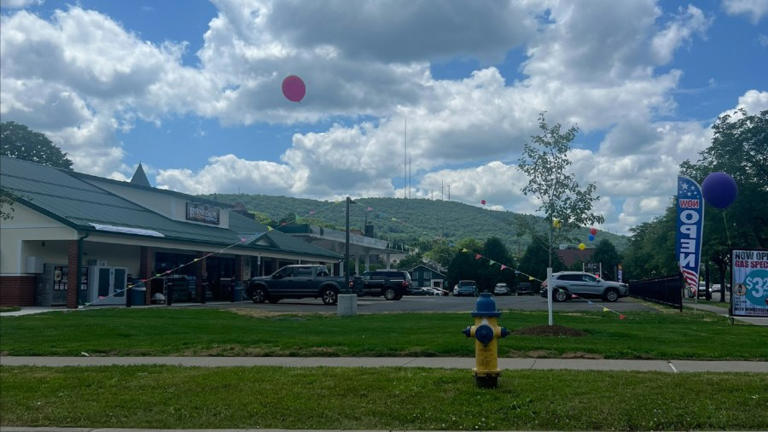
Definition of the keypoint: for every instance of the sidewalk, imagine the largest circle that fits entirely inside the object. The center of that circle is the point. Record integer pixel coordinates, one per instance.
(673, 366)
(724, 313)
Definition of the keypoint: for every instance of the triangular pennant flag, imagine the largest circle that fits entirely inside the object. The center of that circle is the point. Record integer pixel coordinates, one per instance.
(503, 266)
(269, 228)
(530, 277)
(605, 309)
(465, 250)
(493, 262)
(478, 256)
(621, 316)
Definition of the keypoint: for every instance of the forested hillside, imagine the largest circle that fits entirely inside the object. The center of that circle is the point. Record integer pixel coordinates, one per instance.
(411, 220)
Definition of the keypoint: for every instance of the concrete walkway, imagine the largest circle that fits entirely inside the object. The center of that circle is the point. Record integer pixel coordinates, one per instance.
(673, 366)
(723, 312)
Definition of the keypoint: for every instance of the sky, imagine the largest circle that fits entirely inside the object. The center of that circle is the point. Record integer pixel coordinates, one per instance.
(192, 90)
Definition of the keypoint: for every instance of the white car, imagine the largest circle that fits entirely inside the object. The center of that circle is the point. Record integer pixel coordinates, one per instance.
(501, 289)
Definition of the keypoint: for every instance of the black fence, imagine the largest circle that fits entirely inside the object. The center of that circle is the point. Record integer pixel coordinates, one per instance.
(667, 290)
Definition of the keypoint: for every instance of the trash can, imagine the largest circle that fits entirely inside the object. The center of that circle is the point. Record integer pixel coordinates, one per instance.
(138, 295)
(237, 292)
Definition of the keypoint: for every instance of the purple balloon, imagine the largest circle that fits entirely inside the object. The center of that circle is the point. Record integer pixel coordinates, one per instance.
(719, 189)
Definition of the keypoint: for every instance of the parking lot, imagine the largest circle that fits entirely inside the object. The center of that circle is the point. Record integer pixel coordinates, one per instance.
(447, 304)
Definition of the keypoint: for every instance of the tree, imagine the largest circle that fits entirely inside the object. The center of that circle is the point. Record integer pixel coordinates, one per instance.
(490, 275)
(606, 254)
(739, 148)
(534, 260)
(651, 251)
(18, 141)
(409, 261)
(545, 162)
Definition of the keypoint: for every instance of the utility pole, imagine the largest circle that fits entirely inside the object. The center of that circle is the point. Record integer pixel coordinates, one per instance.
(442, 190)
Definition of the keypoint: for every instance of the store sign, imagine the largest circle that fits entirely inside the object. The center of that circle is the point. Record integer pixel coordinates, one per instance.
(204, 213)
(749, 273)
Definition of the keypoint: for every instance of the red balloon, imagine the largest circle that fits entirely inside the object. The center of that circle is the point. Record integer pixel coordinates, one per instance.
(593, 231)
(293, 88)
(482, 202)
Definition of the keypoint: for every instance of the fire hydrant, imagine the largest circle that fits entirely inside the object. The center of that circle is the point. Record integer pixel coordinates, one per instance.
(486, 332)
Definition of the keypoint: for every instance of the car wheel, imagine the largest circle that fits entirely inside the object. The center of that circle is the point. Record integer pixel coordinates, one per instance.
(259, 295)
(390, 294)
(611, 295)
(560, 295)
(329, 296)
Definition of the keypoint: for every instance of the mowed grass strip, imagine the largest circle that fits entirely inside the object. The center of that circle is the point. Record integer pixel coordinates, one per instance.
(378, 398)
(184, 331)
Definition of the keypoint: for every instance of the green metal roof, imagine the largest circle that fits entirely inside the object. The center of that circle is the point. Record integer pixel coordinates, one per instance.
(65, 196)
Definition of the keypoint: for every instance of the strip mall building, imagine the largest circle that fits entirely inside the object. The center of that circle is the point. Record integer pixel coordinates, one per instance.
(116, 232)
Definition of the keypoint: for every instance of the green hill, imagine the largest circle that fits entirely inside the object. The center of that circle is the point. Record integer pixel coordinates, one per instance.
(407, 221)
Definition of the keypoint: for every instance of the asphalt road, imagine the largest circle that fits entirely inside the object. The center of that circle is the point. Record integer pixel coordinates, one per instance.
(446, 304)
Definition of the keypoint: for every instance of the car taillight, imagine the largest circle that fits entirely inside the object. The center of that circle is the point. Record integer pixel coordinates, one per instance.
(405, 284)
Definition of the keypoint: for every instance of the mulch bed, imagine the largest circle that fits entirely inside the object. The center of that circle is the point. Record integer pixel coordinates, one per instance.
(545, 330)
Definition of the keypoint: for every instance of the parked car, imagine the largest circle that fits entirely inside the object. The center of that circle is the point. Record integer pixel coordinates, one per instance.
(465, 288)
(585, 285)
(501, 288)
(296, 281)
(522, 288)
(392, 284)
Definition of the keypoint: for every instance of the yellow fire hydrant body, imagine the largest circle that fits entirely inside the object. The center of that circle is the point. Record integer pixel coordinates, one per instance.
(486, 332)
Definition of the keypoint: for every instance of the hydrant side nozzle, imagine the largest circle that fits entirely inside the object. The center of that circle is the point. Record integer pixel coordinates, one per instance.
(504, 332)
(467, 331)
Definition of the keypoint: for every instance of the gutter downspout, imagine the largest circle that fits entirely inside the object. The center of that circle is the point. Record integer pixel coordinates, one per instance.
(80, 295)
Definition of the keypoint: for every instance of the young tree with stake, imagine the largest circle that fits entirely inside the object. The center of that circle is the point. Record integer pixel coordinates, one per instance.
(563, 202)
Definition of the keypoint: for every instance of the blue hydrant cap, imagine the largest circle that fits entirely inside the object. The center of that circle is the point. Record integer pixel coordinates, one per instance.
(485, 307)
(484, 334)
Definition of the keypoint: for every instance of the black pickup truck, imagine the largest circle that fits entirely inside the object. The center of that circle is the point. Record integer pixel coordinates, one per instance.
(296, 281)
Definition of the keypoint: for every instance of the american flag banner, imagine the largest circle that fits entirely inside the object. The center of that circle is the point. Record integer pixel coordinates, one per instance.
(690, 228)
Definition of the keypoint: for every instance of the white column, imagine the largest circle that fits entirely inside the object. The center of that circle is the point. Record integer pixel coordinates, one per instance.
(386, 258)
(367, 262)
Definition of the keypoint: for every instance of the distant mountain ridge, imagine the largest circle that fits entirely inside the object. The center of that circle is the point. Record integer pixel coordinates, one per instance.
(408, 220)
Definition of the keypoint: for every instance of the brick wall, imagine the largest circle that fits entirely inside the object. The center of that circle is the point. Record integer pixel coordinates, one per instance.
(17, 290)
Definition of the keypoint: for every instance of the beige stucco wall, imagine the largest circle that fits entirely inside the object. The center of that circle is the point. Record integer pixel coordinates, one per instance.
(123, 256)
(23, 235)
(164, 203)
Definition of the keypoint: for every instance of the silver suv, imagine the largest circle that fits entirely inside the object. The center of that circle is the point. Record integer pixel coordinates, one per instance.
(583, 284)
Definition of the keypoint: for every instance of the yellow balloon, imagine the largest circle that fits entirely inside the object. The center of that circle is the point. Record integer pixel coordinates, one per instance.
(582, 246)
(556, 223)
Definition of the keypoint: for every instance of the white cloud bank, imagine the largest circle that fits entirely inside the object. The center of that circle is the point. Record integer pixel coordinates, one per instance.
(81, 77)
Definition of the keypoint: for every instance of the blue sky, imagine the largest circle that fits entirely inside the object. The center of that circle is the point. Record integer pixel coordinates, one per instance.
(192, 90)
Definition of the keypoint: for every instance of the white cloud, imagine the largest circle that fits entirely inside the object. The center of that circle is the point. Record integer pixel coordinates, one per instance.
(81, 77)
(19, 4)
(754, 101)
(755, 9)
(679, 31)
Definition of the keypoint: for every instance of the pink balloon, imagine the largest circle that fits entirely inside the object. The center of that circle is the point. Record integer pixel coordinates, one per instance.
(293, 88)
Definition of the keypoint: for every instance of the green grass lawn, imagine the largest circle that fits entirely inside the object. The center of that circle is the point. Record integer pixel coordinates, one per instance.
(184, 331)
(382, 398)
